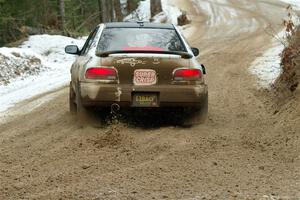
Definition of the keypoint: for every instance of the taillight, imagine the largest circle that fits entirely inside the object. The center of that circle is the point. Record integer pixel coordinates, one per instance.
(187, 75)
(102, 73)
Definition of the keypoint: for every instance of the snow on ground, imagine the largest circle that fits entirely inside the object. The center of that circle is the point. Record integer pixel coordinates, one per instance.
(53, 68)
(171, 11)
(15, 62)
(222, 13)
(142, 13)
(169, 15)
(294, 3)
(267, 67)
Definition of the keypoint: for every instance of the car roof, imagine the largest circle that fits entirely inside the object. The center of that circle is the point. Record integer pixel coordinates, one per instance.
(138, 25)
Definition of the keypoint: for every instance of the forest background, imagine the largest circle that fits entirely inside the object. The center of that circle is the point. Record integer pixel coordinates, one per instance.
(20, 18)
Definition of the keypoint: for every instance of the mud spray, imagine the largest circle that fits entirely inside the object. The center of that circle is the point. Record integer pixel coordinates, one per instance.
(112, 137)
(114, 117)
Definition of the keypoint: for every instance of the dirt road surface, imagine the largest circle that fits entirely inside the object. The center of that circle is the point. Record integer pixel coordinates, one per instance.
(246, 150)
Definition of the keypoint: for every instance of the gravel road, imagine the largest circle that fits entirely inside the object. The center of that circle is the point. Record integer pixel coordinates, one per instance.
(245, 150)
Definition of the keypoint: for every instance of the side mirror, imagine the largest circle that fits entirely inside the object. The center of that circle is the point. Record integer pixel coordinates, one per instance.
(195, 51)
(72, 49)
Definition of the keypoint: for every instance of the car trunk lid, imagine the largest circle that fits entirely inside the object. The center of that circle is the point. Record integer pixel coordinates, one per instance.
(138, 69)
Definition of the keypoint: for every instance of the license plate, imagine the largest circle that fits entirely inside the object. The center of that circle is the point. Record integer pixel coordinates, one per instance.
(145, 100)
(144, 77)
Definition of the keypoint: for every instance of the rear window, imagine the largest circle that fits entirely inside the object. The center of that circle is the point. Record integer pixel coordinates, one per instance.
(143, 39)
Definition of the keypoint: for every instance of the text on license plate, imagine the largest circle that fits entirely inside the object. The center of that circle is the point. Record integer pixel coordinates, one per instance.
(145, 100)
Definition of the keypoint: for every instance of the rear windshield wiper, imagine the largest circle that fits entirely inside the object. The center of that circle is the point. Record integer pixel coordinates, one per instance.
(180, 53)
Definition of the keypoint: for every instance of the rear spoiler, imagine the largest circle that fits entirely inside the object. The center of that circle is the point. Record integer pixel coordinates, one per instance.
(183, 54)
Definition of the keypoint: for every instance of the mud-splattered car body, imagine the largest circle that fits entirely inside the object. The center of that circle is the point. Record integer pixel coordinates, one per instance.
(125, 63)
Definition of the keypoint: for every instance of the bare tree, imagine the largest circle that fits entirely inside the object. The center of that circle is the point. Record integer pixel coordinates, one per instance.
(61, 6)
(100, 11)
(109, 10)
(155, 7)
(130, 6)
(103, 10)
(117, 10)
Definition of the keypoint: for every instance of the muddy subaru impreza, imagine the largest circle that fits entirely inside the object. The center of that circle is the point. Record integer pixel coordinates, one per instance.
(138, 65)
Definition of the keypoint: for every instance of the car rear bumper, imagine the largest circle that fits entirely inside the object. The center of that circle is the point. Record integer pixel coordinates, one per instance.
(96, 94)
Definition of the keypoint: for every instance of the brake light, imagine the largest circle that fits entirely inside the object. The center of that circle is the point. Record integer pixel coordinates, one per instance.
(187, 75)
(103, 73)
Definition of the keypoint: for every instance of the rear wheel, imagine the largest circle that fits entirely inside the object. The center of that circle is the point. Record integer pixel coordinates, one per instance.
(72, 104)
(81, 112)
(75, 102)
(80, 109)
(196, 115)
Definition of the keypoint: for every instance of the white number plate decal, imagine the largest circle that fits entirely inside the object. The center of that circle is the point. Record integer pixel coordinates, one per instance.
(144, 77)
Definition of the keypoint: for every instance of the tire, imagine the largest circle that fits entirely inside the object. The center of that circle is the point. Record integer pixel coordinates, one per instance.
(198, 115)
(83, 114)
(72, 98)
(80, 109)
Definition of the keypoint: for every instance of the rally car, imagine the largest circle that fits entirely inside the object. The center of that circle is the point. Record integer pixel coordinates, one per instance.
(138, 65)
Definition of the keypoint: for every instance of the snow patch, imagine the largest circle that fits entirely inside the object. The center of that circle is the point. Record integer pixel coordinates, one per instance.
(171, 11)
(222, 13)
(143, 13)
(267, 67)
(54, 66)
(16, 62)
(294, 3)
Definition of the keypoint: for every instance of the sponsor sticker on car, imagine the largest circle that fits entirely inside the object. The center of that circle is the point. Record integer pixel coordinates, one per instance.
(144, 77)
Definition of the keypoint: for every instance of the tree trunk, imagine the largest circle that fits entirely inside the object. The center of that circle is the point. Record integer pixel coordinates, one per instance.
(82, 7)
(61, 4)
(155, 7)
(118, 12)
(100, 11)
(109, 10)
(130, 6)
(112, 11)
(104, 11)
